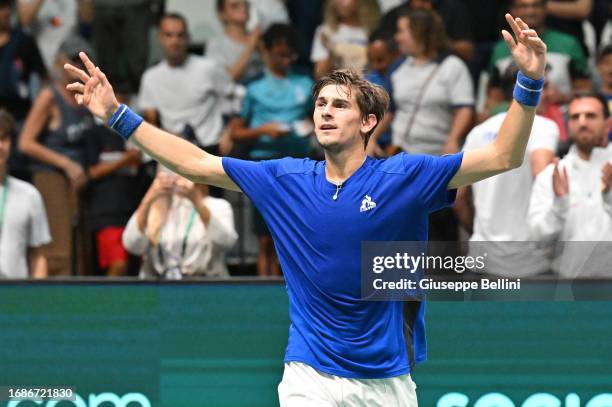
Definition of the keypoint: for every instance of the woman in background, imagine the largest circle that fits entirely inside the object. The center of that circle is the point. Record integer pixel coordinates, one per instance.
(53, 136)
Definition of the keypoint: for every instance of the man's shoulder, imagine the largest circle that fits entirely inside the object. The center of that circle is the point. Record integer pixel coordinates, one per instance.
(22, 190)
(290, 165)
(276, 167)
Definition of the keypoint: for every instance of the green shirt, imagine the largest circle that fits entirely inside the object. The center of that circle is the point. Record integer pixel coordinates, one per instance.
(565, 58)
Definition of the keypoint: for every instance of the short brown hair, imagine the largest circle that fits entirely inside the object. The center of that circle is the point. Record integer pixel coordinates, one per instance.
(427, 28)
(605, 109)
(7, 124)
(371, 98)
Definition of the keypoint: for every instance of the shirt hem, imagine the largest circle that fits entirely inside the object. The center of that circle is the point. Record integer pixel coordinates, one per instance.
(348, 374)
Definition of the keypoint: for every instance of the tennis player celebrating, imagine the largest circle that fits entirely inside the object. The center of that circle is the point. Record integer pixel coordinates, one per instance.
(320, 212)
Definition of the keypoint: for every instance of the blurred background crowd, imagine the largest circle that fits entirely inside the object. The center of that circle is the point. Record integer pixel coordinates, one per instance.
(235, 78)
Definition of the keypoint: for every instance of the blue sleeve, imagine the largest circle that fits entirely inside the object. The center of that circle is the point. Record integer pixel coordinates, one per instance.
(432, 177)
(255, 178)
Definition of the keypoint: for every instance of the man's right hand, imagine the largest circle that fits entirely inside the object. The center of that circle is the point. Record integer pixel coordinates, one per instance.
(560, 180)
(93, 89)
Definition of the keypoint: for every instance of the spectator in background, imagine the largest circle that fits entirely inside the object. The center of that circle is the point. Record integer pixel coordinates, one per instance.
(305, 18)
(276, 117)
(121, 39)
(112, 167)
(486, 17)
(495, 209)
(51, 22)
(183, 93)
(455, 18)
(20, 62)
(567, 16)
(433, 97)
(236, 48)
(342, 40)
(180, 230)
(53, 137)
(571, 199)
(23, 222)
(432, 90)
(604, 66)
(383, 60)
(568, 64)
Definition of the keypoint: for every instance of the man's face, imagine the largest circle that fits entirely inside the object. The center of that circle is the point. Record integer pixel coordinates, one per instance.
(5, 18)
(587, 125)
(337, 118)
(235, 12)
(5, 148)
(279, 57)
(379, 57)
(533, 12)
(174, 39)
(605, 69)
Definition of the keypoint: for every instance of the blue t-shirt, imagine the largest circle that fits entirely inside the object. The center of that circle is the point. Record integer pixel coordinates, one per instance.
(318, 241)
(284, 100)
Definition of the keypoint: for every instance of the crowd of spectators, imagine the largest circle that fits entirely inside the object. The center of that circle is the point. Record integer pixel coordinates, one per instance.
(78, 200)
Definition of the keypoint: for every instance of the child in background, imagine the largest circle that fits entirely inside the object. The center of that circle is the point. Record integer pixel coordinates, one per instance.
(383, 59)
(112, 169)
(275, 116)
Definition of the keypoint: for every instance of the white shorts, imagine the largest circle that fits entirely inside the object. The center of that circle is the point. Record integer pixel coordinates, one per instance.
(302, 385)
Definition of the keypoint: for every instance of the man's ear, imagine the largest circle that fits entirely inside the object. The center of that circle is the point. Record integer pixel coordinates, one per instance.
(368, 123)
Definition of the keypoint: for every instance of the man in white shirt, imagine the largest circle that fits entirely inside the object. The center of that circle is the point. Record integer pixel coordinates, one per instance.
(497, 210)
(180, 230)
(183, 93)
(572, 199)
(23, 221)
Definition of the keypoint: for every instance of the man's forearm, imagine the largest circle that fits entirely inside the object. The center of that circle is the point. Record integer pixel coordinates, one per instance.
(511, 141)
(175, 153)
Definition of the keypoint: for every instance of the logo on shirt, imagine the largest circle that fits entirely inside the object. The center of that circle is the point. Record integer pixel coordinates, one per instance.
(367, 204)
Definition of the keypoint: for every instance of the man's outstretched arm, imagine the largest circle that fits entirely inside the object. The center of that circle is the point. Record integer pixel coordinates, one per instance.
(95, 92)
(508, 149)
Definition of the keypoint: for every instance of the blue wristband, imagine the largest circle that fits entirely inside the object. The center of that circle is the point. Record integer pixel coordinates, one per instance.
(124, 121)
(527, 91)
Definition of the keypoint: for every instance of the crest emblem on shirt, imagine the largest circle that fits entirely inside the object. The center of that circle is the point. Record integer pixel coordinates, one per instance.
(367, 204)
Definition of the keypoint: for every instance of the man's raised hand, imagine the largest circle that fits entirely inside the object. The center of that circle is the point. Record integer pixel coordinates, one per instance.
(92, 89)
(528, 50)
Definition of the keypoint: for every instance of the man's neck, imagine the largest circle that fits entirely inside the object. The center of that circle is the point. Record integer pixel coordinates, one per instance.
(584, 153)
(3, 174)
(340, 166)
(177, 62)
